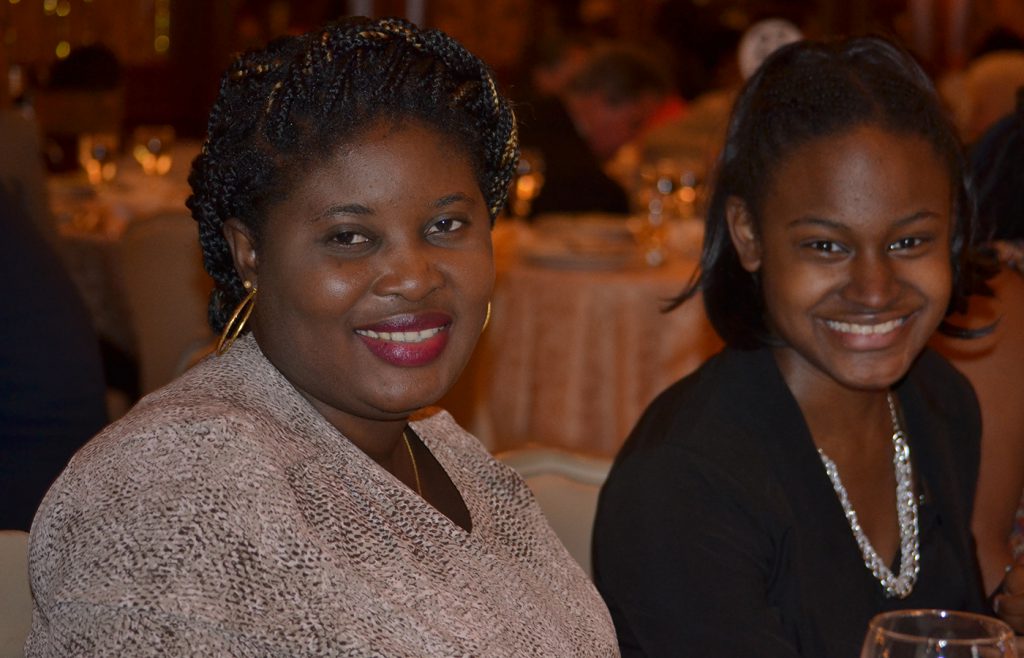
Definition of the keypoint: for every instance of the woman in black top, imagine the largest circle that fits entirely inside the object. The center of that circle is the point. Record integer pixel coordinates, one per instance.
(821, 469)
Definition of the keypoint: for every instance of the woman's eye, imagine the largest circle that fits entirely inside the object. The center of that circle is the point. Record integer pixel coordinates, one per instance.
(445, 225)
(906, 243)
(349, 238)
(826, 246)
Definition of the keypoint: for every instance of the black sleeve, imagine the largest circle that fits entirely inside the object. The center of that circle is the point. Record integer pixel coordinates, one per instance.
(683, 557)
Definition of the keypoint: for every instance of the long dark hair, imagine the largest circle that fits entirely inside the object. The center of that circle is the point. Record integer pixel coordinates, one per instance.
(805, 91)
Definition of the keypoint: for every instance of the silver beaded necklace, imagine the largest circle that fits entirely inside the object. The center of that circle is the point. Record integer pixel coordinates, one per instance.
(906, 510)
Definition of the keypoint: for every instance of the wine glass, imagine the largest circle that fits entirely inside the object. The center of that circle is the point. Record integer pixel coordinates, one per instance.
(665, 195)
(98, 153)
(151, 148)
(937, 634)
(671, 187)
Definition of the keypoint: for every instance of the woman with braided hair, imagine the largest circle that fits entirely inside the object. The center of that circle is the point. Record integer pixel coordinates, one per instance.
(289, 495)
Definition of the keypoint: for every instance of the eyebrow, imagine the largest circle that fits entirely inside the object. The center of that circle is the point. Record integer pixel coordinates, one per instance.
(828, 223)
(342, 209)
(364, 211)
(449, 199)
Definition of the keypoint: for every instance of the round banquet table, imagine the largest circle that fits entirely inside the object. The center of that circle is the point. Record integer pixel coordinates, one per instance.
(573, 356)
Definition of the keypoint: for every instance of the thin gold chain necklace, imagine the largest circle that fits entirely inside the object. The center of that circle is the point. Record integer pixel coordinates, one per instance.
(412, 458)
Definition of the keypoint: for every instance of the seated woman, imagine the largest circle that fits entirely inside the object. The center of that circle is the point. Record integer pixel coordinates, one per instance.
(820, 469)
(280, 498)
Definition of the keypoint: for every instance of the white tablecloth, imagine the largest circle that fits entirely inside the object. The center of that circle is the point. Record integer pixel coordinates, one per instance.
(572, 356)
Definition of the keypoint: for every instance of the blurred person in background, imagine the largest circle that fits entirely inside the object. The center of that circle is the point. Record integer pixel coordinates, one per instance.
(624, 90)
(686, 147)
(574, 180)
(52, 392)
(83, 93)
(624, 93)
(21, 162)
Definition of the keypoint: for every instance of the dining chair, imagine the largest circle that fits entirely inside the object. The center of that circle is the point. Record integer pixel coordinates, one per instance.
(566, 486)
(166, 291)
(15, 596)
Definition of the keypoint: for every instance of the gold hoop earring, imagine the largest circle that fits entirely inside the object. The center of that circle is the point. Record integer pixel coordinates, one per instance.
(238, 319)
(487, 318)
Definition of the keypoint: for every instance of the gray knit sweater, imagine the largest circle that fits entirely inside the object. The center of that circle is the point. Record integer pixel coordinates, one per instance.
(224, 516)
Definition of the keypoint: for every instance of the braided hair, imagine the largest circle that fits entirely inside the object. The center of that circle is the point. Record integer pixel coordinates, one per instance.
(806, 91)
(282, 108)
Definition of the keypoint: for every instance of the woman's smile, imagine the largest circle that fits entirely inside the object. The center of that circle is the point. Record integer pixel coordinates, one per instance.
(408, 340)
(869, 334)
(860, 329)
(852, 250)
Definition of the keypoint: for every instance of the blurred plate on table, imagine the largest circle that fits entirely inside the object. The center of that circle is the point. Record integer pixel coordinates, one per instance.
(571, 260)
(586, 246)
(586, 226)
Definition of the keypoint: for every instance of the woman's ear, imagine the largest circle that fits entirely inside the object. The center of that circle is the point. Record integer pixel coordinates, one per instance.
(743, 232)
(243, 249)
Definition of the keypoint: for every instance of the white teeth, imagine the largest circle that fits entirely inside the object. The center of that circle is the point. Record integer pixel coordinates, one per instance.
(401, 336)
(864, 329)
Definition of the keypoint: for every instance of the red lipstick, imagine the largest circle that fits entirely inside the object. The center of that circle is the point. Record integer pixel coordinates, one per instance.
(407, 340)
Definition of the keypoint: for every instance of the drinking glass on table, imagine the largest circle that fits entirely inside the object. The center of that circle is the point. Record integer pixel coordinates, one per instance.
(151, 147)
(98, 153)
(665, 194)
(937, 634)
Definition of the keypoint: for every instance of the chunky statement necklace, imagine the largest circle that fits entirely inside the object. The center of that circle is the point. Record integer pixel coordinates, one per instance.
(906, 510)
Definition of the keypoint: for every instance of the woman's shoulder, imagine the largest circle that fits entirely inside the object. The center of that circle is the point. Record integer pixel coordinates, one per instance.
(185, 416)
(941, 405)
(726, 400)
(945, 389)
(187, 430)
(186, 454)
(718, 426)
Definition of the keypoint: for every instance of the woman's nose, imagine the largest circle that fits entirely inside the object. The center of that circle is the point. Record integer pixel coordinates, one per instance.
(872, 281)
(409, 272)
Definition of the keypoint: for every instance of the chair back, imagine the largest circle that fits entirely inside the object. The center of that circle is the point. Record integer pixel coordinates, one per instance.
(566, 486)
(167, 293)
(15, 596)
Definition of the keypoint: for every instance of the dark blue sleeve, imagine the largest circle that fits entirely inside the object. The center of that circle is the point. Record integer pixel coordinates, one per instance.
(52, 391)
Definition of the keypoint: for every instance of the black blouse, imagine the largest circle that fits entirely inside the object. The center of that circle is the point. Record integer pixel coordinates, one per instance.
(718, 532)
